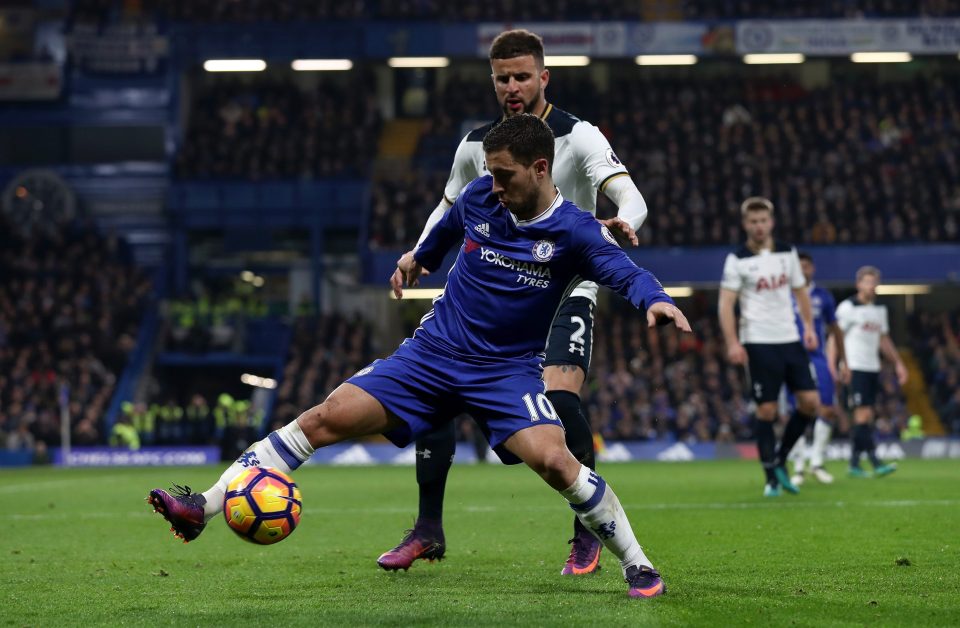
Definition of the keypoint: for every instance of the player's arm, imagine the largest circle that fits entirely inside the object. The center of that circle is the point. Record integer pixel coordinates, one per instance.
(837, 354)
(597, 161)
(889, 351)
(604, 262)
(736, 354)
(730, 286)
(631, 208)
(462, 172)
(799, 284)
(429, 254)
(810, 340)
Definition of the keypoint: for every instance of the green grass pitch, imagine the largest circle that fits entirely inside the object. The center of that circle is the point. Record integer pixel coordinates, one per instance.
(81, 548)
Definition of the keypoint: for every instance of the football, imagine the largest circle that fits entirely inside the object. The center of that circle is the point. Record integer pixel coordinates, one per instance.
(262, 505)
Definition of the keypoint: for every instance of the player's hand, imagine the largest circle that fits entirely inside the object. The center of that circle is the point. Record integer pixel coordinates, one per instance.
(621, 231)
(408, 273)
(663, 311)
(902, 375)
(810, 340)
(844, 375)
(736, 354)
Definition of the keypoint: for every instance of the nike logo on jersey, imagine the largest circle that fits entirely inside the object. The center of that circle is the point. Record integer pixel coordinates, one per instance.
(483, 229)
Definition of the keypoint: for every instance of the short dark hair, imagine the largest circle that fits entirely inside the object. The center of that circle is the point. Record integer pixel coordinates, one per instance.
(756, 204)
(803, 255)
(517, 43)
(526, 136)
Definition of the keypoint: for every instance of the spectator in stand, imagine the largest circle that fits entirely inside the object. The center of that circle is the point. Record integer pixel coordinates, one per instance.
(70, 306)
(273, 130)
(852, 162)
(282, 11)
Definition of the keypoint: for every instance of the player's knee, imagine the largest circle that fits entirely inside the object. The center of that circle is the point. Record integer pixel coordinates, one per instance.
(808, 406)
(767, 411)
(557, 467)
(319, 425)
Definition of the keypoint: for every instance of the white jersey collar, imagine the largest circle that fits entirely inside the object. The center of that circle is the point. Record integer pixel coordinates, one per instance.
(540, 217)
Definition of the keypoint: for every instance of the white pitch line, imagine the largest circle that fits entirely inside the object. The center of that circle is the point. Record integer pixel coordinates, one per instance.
(771, 505)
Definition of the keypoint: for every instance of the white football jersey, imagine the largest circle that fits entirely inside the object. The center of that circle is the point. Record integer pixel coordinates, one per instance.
(765, 282)
(863, 325)
(583, 163)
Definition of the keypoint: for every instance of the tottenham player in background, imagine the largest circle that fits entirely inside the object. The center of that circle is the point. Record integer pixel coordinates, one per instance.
(480, 349)
(823, 308)
(584, 163)
(762, 274)
(866, 336)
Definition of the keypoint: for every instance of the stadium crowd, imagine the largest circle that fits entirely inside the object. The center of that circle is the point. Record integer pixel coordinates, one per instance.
(936, 342)
(853, 162)
(257, 11)
(275, 130)
(70, 308)
(325, 351)
(655, 384)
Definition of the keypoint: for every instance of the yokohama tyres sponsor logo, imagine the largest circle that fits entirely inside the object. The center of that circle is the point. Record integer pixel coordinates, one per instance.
(528, 273)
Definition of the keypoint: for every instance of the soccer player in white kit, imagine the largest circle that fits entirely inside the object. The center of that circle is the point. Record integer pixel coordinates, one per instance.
(866, 331)
(762, 274)
(584, 163)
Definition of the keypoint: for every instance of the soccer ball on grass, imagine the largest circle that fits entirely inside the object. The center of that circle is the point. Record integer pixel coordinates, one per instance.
(262, 505)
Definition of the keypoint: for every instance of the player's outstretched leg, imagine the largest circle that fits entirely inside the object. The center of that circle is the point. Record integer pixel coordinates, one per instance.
(585, 548)
(348, 412)
(595, 503)
(425, 541)
(284, 449)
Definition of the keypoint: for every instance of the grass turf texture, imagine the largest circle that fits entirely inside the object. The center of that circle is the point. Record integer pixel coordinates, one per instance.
(81, 547)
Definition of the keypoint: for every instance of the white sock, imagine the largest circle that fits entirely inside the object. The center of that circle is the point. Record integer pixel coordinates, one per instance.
(284, 449)
(599, 510)
(799, 455)
(821, 436)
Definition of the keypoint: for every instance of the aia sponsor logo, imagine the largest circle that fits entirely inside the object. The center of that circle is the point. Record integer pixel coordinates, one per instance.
(773, 282)
(872, 327)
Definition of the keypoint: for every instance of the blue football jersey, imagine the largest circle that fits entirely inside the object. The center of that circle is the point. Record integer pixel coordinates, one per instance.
(510, 276)
(824, 309)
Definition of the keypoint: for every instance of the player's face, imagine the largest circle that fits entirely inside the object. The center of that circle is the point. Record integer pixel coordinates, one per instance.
(519, 83)
(758, 225)
(867, 286)
(515, 185)
(808, 269)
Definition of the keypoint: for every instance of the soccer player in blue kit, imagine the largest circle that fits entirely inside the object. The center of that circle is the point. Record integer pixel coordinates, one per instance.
(823, 308)
(480, 349)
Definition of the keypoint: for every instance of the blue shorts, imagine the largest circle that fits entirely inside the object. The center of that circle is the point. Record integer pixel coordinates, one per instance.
(823, 380)
(426, 389)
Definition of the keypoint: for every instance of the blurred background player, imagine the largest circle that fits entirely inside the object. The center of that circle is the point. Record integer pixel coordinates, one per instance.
(761, 274)
(823, 309)
(867, 335)
(584, 163)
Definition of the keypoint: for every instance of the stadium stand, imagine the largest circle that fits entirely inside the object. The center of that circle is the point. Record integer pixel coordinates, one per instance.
(326, 350)
(256, 11)
(936, 341)
(275, 130)
(70, 307)
(858, 161)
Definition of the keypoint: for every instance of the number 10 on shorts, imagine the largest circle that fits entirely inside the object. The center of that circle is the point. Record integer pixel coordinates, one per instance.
(543, 404)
